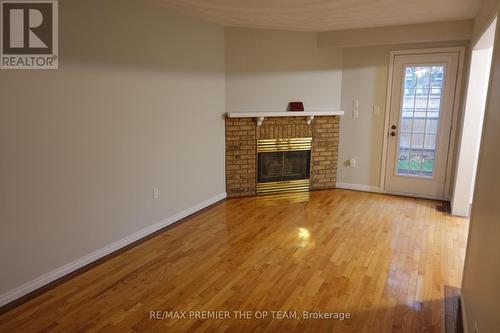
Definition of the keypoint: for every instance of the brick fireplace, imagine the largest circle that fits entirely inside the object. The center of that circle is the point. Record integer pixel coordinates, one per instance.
(243, 134)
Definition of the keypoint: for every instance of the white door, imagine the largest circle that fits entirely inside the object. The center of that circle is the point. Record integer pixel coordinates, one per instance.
(421, 110)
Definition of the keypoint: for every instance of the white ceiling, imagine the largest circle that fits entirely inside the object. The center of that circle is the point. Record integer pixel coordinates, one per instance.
(323, 15)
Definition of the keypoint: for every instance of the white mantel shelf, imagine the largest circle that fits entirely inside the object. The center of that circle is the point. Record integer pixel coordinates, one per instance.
(262, 115)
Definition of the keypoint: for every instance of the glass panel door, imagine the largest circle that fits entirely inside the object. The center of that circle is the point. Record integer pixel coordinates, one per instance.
(422, 99)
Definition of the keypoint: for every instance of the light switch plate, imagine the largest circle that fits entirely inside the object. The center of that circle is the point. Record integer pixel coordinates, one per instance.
(355, 104)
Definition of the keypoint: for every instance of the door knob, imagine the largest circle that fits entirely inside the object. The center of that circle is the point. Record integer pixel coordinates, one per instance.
(393, 133)
(393, 127)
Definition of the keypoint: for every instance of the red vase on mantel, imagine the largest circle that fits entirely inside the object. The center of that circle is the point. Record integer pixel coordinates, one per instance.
(295, 106)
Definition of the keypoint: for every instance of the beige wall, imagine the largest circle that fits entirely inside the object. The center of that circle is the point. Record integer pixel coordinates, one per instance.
(480, 286)
(137, 103)
(364, 77)
(266, 69)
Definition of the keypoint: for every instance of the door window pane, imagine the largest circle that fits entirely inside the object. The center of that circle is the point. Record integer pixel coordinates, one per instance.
(404, 140)
(430, 141)
(406, 125)
(419, 125)
(431, 126)
(417, 141)
(420, 111)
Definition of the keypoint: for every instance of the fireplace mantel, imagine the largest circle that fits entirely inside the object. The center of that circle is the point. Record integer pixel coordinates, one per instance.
(260, 116)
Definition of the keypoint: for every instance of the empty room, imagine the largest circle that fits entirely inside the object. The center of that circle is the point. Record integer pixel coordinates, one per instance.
(249, 166)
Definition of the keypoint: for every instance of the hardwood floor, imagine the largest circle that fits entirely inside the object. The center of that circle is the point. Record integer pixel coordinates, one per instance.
(383, 259)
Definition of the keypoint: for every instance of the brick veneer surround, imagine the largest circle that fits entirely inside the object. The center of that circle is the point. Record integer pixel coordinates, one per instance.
(324, 152)
(241, 155)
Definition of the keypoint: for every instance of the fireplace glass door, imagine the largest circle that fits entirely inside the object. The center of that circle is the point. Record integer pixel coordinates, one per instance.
(283, 166)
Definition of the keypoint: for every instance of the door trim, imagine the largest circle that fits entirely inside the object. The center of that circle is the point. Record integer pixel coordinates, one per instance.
(454, 118)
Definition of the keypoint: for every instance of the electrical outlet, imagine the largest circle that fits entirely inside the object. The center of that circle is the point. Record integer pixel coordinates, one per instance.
(376, 110)
(355, 114)
(156, 193)
(352, 163)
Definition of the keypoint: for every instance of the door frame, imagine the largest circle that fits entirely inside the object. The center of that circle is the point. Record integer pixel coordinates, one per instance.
(454, 118)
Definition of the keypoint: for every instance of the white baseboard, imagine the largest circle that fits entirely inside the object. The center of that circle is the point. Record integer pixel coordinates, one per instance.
(45, 279)
(359, 187)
